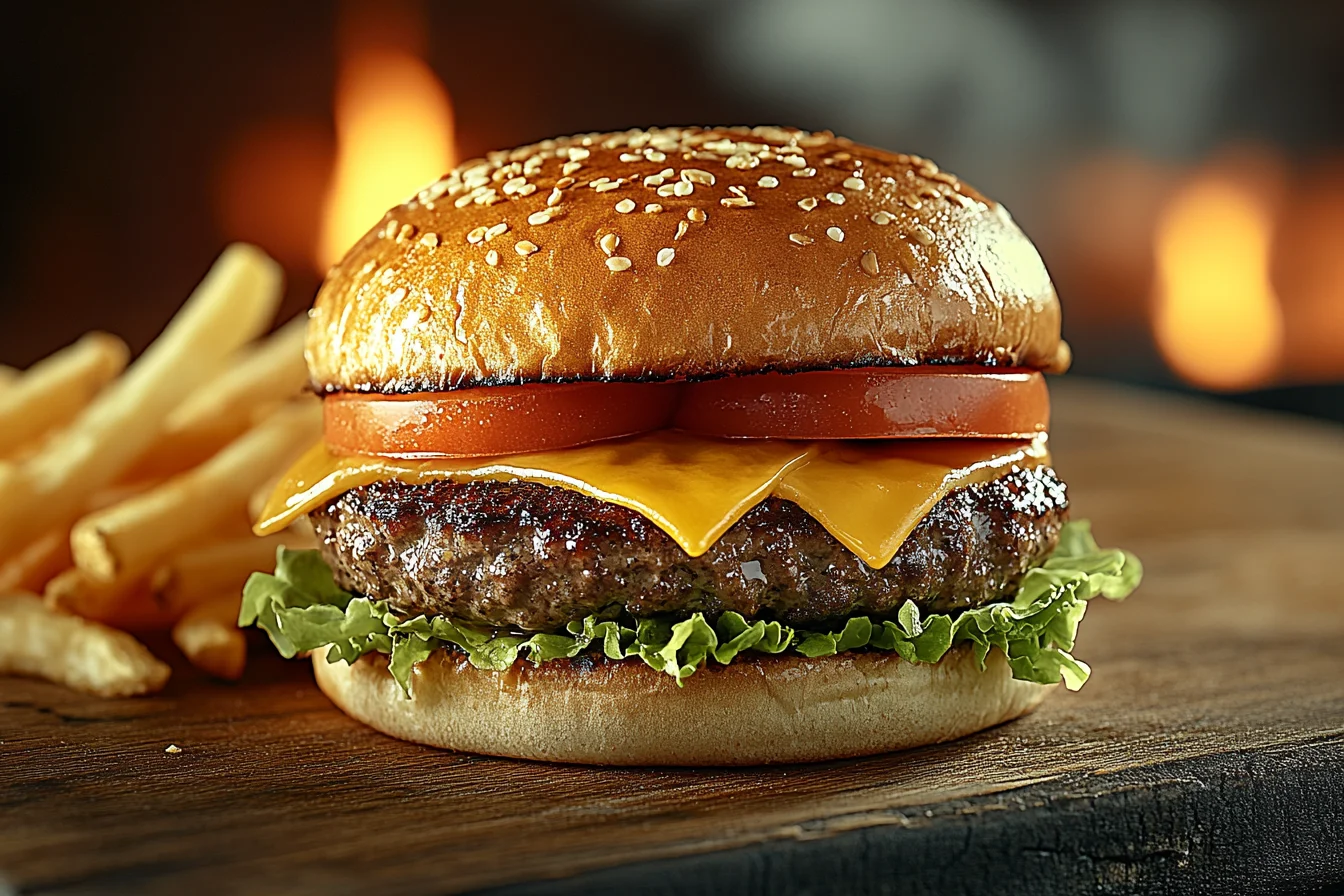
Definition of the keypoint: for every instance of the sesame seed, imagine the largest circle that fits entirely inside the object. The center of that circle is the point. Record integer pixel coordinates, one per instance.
(463, 200)
(696, 215)
(537, 218)
(525, 247)
(666, 172)
(738, 190)
(742, 161)
(625, 206)
(836, 234)
(682, 227)
(578, 153)
(631, 157)
(514, 185)
(868, 261)
(881, 217)
(570, 167)
(930, 193)
(923, 234)
(697, 176)
(172, 748)
(476, 235)
(666, 190)
(683, 188)
(654, 180)
(564, 183)
(406, 232)
(652, 208)
(554, 199)
(665, 257)
(654, 155)
(736, 202)
(805, 172)
(598, 181)
(835, 198)
(526, 190)
(807, 203)
(429, 240)
(610, 185)
(609, 242)
(911, 202)
(853, 183)
(618, 263)
(794, 161)
(768, 182)
(800, 239)
(492, 258)
(500, 228)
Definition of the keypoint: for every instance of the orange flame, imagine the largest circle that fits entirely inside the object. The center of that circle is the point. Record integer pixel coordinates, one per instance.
(394, 134)
(1217, 320)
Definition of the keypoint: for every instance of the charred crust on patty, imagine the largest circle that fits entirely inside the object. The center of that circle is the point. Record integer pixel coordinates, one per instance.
(533, 557)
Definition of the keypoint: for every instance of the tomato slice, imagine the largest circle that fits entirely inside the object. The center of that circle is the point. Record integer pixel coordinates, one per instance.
(870, 403)
(867, 403)
(495, 420)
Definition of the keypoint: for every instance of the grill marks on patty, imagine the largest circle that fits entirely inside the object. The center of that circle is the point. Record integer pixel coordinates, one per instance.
(533, 557)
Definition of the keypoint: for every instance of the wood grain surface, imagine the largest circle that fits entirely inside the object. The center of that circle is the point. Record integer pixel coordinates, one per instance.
(1206, 754)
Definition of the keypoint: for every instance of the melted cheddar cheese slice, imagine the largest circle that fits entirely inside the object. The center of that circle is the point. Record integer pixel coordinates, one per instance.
(870, 496)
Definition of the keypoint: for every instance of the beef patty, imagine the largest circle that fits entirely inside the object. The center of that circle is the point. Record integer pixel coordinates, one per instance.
(533, 557)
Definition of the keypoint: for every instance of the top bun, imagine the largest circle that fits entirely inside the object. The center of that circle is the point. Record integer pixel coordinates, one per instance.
(682, 252)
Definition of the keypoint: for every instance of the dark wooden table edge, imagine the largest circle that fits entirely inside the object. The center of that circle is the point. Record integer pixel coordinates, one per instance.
(1259, 821)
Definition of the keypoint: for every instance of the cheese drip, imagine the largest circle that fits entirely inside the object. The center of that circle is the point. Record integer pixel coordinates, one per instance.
(868, 495)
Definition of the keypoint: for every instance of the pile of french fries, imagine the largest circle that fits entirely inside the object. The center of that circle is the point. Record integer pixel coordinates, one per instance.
(127, 492)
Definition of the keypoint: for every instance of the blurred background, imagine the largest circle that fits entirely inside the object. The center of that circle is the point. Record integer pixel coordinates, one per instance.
(1180, 165)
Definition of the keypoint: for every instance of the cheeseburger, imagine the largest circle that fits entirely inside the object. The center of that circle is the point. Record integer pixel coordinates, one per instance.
(686, 447)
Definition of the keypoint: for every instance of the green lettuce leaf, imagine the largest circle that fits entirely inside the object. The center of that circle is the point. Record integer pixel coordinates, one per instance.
(302, 608)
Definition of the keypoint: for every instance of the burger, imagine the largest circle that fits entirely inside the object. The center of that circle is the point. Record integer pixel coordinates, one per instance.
(685, 447)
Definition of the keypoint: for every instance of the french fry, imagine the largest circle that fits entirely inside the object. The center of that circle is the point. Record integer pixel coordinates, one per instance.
(260, 495)
(231, 306)
(43, 559)
(264, 376)
(210, 638)
(73, 591)
(195, 576)
(31, 568)
(38, 641)
(128, 539)
(51, 392)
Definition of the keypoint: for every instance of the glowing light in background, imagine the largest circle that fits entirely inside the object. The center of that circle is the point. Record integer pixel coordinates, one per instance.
(394, 134)
(1217, 320)
(270, 187)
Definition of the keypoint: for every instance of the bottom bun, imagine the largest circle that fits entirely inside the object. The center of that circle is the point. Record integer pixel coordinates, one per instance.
(758, 709)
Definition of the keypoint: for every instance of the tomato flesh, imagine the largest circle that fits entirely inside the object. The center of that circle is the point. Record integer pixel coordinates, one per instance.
(870, 403)
(495, 420)
(866, 403)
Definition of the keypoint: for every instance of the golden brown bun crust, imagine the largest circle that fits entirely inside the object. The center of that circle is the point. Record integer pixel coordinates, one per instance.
(468, 283)
(758, 709)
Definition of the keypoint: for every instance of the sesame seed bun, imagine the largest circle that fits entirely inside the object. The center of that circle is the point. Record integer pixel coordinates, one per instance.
(758, 709)
(681, 253)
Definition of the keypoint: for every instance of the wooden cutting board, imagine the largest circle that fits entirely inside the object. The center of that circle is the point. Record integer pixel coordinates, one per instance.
(1206, 754)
